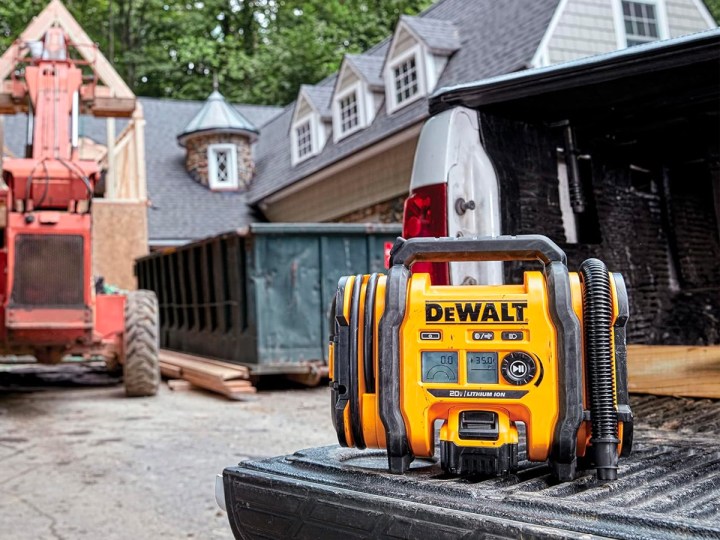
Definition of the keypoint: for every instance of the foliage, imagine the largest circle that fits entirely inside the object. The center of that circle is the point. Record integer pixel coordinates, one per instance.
(714, 7)
(260, 50)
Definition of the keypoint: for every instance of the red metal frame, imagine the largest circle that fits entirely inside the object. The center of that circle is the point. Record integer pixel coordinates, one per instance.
(48, 194)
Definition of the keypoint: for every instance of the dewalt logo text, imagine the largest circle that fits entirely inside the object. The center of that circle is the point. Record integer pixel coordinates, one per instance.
(475, 312)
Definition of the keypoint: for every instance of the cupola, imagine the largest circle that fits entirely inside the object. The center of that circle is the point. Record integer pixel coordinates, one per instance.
(218, 142)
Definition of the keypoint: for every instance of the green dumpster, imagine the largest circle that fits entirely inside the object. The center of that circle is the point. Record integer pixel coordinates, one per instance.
(260, 296)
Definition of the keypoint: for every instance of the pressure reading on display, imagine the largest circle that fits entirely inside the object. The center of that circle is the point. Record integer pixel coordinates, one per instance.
(439, 366)
(482, 367)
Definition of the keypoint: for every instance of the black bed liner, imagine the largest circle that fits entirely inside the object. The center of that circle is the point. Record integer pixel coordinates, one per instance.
(668, 488)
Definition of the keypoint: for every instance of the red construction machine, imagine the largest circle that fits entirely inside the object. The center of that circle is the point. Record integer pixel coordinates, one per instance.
(48, 298)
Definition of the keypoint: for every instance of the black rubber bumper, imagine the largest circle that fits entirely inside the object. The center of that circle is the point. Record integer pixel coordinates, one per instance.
(665, 490)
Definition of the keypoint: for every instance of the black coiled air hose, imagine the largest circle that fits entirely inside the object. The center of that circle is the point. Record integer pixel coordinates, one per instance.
(597, 322)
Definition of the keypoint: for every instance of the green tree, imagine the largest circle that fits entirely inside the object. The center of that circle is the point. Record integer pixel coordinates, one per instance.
(306, 40)
(714, 7)
(262, 50)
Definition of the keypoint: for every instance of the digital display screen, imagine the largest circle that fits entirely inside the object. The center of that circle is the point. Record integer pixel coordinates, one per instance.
(482, 367)
(440, 366)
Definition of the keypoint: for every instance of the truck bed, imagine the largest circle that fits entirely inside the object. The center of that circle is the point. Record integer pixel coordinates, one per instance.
(668, 488)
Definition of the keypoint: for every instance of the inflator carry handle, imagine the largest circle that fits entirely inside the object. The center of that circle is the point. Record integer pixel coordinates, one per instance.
(525, 247)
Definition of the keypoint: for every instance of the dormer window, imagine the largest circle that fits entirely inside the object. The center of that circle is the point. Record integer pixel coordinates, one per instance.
(357, 95)
(349, 117)
(222, 166)
(416, 58)
(309, 128)
(303, 138)
(406, 79)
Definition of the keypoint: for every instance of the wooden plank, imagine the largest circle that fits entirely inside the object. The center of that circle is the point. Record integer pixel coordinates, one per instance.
(56, 12)
(113, 107)
(182, 359)
(223, 378)
(140, 172)
(179, 384)
(674, 370)
(169, 370)
(220, 373)
(218, 386)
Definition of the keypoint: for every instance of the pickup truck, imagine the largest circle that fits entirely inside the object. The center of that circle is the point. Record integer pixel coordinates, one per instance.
(612, 157)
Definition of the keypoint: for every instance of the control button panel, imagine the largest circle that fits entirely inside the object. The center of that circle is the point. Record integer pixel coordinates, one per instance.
(518, 368)
(483, 335)
(514, 335)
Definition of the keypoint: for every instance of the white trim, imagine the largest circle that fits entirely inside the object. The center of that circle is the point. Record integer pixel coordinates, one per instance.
(418, 52)
(619, 20)
(360, 98)
(705, 13)
(663, 25)
(619, 23)
(302, 96)
(318, 130)
(294, 143)
(541, 56)
(213, 182)
(401, 26)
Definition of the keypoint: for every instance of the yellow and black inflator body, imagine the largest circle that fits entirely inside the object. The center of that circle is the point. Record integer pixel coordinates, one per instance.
(483, 361)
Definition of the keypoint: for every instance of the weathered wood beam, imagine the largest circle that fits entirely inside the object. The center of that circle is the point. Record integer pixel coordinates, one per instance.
(56, 12)
(674, 370)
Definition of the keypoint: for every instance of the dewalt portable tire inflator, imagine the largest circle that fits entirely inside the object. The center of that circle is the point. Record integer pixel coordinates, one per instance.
(483, 359)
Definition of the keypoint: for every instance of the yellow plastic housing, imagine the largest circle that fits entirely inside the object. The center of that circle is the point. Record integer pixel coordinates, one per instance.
(465, 312)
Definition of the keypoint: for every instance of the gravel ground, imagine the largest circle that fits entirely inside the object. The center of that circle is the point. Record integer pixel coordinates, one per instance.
(90, 463)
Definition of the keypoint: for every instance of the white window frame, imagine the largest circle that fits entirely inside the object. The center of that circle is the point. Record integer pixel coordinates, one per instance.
(660, 13)
(390, 92)
(213, 182)
(360, 97)
(296, 157)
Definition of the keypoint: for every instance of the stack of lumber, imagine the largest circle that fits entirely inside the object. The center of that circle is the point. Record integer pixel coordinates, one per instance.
(674, 370)
(230, 380)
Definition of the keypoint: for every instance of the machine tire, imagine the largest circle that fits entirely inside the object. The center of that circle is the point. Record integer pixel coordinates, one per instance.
(141, 368)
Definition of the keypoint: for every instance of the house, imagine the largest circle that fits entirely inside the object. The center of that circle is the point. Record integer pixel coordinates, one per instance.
(343, 151)
(348, 142)
(180, 209)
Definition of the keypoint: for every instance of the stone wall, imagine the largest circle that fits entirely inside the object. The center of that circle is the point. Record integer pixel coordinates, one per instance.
(385, 212)
(196, 157)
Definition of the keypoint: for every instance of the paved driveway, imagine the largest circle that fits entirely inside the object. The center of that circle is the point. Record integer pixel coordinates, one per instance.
(90, 463)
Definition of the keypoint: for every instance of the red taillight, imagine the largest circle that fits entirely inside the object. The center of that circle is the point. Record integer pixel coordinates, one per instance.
(426, 215)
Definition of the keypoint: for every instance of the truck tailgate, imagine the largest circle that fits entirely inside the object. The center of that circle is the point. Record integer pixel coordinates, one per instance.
(668, 488)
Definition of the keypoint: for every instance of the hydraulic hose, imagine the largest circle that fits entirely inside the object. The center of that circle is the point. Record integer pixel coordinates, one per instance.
(597, 320)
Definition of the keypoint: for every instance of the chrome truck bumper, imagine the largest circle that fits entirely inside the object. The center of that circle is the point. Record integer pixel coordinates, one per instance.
(220, 492)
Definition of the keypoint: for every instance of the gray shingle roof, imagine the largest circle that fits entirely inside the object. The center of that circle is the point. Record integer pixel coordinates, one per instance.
(440, 36)
(319, 96)
(369, 67)
(217, 115)
(181, 210)
(496, 37)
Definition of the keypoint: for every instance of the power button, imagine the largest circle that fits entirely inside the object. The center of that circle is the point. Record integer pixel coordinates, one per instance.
(518, 368)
